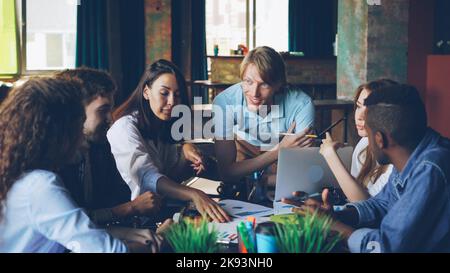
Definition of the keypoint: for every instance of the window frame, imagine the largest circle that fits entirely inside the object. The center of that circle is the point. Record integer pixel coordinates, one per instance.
(23, 49)
(13, 77)
(251, 21)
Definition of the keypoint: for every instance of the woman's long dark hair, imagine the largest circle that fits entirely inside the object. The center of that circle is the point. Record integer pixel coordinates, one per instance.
(40, 127)
(150, 126)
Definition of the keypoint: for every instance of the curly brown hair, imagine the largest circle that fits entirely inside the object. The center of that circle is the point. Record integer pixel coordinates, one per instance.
(40, 128)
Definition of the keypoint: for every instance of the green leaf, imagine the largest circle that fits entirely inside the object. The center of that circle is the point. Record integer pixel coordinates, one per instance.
(308, 234)
(188, 236)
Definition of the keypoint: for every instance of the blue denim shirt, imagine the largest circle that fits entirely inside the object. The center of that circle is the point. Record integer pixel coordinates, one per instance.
(412, 213)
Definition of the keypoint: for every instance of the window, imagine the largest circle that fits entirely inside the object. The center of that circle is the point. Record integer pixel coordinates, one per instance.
(225, 25)
(49, 34)
(45, 42)
(9, 40)
(272, 24)
(248, 22)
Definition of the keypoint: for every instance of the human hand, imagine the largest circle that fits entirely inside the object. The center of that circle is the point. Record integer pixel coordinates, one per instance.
(132, 235)
(209, 208)
(324, 207)
(194, 155)
(152, 245)
(164, 227)
(329, 146)
(146, 204)
(311, 205)
(297, 140)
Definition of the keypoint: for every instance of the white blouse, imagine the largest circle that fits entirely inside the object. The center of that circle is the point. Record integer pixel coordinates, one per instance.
(357, 162)
(141, 162)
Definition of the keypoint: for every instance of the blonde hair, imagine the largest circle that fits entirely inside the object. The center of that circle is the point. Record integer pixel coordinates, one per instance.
(269, 63)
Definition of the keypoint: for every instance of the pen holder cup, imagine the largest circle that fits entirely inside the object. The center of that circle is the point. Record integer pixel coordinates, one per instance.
(265, 238)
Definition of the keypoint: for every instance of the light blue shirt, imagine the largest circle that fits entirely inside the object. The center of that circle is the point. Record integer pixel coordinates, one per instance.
(39, 216)
(233, 118)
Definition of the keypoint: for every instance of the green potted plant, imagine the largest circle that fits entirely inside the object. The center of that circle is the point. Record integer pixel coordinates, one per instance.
(310, 233)
(192, 236)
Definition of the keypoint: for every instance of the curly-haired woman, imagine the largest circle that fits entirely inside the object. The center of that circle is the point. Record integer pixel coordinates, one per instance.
(41, 127)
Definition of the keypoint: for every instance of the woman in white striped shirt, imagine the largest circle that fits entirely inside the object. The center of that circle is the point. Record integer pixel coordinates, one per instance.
(144, 149)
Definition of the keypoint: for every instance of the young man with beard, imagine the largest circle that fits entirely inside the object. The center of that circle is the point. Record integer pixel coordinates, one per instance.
(93, 178)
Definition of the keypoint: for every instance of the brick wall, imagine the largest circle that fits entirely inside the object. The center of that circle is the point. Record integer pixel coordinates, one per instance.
(298, 70)
(158, 30)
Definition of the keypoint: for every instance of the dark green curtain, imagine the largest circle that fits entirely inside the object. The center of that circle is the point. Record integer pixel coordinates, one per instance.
(189, 42)
(94, 40)
(312, 27)
(132, 40)
(199, 69)
(92, 44)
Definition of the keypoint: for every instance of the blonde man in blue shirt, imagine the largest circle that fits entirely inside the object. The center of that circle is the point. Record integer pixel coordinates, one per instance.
(249, 117)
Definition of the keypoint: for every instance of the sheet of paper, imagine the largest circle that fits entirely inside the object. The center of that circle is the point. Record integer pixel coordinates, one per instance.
(239, 211)
(205, 185)
(282, 208)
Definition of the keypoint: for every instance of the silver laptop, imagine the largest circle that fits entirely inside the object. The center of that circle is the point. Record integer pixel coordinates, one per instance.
(305, 170)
